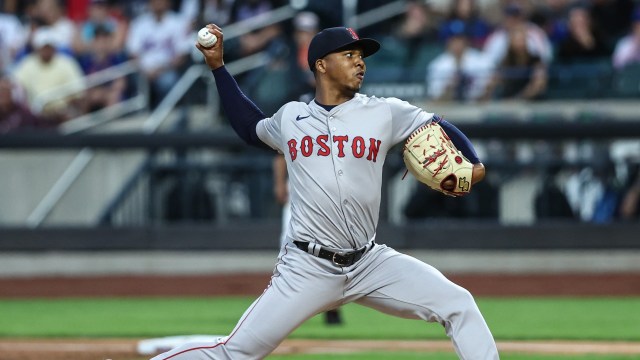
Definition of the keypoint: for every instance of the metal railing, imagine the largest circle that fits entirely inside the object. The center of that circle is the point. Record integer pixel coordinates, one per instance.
(376, 15)
(257, 22)
(150, 126)
(157, 117)
(547, 137)
(164, 109)
(84, 122)
(84, 157)
(64, 182)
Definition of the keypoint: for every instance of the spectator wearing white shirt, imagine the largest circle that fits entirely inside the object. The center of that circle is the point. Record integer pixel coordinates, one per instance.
(12, 40)
(627, 49)
(462, 72)
(514, 17)
(160, 41)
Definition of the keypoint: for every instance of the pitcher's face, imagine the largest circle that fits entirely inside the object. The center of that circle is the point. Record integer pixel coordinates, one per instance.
(346, 68)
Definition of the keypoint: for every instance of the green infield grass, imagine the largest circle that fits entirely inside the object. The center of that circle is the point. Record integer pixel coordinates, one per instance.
(597, 318)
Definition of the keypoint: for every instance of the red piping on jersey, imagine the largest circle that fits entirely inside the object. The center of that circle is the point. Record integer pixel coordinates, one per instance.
(218, 344)
(230, 336)
(198, 348)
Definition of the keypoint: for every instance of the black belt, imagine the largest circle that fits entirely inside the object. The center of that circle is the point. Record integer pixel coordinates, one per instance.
(339, 259)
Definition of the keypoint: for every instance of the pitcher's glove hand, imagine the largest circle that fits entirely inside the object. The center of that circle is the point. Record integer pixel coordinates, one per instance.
(432, 158)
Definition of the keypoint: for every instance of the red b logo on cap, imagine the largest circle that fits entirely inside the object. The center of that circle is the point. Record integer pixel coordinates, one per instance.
(353, 34)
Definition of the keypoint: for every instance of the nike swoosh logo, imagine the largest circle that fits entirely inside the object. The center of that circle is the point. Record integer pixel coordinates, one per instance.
(298, 118)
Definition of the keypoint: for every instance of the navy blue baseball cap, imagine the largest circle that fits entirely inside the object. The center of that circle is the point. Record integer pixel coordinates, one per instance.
(454, 28)
(335, 39)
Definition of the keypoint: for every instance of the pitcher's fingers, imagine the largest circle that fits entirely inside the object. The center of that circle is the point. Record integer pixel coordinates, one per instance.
(215, 29)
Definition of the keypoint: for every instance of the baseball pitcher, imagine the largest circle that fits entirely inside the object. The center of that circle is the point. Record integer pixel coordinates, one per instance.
(335, 148)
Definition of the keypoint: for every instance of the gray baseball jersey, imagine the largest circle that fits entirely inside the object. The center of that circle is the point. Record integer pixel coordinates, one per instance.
(339, 206)
(335, 160)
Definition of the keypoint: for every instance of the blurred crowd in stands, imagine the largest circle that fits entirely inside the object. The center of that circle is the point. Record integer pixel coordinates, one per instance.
(461, 50)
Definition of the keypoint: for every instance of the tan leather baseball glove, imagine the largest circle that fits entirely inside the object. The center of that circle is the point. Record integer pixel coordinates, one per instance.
(432, 158)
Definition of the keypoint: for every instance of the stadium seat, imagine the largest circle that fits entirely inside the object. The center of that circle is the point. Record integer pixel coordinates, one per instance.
(586, 79)
(626, 82)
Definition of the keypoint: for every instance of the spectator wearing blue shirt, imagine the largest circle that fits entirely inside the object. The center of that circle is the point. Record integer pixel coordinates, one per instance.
(477, 29)
(101, 56)
(99, 16)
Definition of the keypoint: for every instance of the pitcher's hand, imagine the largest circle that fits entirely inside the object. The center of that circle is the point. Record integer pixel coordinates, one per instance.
(213, 55)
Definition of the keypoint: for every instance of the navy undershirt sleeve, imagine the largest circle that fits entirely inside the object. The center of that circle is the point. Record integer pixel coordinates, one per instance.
(242, 113)
(459, 139)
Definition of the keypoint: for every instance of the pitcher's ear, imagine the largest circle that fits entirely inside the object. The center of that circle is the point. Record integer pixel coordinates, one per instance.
(320, 66)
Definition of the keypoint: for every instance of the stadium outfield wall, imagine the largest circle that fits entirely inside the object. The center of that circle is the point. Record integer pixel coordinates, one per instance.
(251, 247)
(264, 235)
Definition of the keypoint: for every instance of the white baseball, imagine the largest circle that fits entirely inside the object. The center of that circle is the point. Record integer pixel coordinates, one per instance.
(206, 39)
